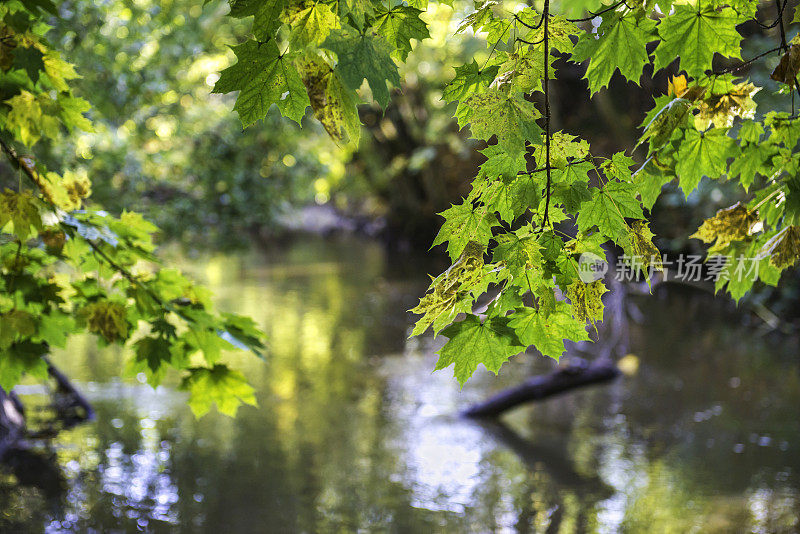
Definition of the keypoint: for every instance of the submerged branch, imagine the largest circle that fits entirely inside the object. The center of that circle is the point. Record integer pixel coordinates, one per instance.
(578, 374)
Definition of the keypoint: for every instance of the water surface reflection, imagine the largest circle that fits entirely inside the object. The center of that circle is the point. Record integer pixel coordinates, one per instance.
(353, 431)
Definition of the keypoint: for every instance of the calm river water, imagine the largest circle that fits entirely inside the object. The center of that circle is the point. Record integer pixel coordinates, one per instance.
(354, 433)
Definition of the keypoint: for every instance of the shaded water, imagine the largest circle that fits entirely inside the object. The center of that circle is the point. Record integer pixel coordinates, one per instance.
(354, 433)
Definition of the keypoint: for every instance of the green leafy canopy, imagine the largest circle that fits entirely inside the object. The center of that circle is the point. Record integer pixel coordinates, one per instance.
(534, 177)
(67, 267)
(332, 55)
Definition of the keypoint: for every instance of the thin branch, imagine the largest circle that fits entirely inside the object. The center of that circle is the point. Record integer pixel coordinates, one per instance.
(30, 171)
(545, 217)
(491, 52)
(538, 25)
(780, 22)
(777, 20)
(797, 86)
(540, 41)
(542, 169)
(746, 63)
(28, 168)
(597, 14)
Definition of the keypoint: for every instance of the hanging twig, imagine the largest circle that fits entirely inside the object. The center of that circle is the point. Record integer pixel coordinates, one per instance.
(746, 63)
(777, 20)
(597, 14)
(780, 23)
(545, 217)
(538, 25)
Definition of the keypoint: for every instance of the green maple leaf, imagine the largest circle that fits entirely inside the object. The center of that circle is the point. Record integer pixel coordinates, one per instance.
(311, 26)
(783, 130)
(650, 180)
(482, 16)
(751, 131)
(573, 172)
(16, 324)
(513, 198)
(265, 13)
(263, 77)
(334, 105)
(153, 355)
(621, 44)
(23, 357)
(29, 59)
(608, 209)
(547, 332)
(399, 25)
(22, 211)
(551, 245)
(469, 80)
(510, 117)
(738, 276)
(54, 329)
(571, 194)
(501, 163)
(661, 121)
(694, 33)
(58, 71)
(463, 224)
(219, 385)
(362, 57)
(72, 110)
(559, 32)
(519, 250)
(640, 249)
(525, 69)
(703, 154)
(358, 11)
(619, 167)
(792, 207)
(563, 149)
(586, 300)
(471, 343)
(497, 31)
(750, 162)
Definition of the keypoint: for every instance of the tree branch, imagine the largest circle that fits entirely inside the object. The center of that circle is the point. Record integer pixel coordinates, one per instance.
(545, 217)
(778, 20)
(578, 374)
(746, 63)
(597, 14)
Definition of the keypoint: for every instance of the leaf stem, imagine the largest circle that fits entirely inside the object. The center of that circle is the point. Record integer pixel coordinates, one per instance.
(767, 198)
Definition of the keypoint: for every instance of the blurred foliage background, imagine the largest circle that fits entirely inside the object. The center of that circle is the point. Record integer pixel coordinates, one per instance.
(164, 145)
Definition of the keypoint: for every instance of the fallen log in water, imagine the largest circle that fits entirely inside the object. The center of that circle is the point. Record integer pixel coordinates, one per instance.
(578, 373)
(69, 405)
(12, 422)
